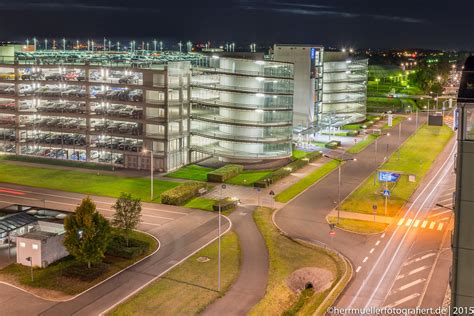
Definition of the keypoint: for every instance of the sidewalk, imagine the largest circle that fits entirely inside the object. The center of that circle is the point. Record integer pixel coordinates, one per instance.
(362, 217)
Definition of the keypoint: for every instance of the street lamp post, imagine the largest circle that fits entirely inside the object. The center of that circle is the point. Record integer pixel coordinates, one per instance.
(30, 259)
(340, 160)
(375, 152)
(219, 242)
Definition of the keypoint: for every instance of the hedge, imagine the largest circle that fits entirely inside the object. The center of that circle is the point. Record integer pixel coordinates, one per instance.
(57, 162)
(224, 173)
(82, 272)
(225, 204)
(182, 193)
(287, 170)
(118, 247)
(333, 144)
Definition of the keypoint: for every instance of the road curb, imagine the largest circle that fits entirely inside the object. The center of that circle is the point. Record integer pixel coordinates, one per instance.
(167, 270)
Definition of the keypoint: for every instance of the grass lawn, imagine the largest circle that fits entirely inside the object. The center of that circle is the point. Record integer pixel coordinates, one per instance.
(298, 187)
(286, 256)
(297, 154)
(191, 172)
(361, 145)
(416, 157)
(50, 282)
(201, 203)
(248, 177)
(189, 287)
(358, 226)
(82, 182)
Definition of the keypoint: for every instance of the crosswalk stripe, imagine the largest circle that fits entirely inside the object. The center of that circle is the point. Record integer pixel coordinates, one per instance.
(424, 224)
(440, 226)
(416, 223)
(432, 225)
(400, 222)
(403, 300)
(409, 221)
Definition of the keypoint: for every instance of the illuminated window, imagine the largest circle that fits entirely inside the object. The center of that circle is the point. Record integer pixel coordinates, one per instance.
(22, 245)
(34, 246)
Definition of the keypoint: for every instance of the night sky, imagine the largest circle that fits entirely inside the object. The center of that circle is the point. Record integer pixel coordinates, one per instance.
(362, 24)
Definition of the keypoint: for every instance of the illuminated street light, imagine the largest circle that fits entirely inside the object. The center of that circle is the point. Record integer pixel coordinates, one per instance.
(154, 45)
(64, 44)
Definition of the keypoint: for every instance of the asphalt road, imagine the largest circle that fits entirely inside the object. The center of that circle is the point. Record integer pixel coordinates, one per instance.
(376, 259)
(250, 286)
(181, 232)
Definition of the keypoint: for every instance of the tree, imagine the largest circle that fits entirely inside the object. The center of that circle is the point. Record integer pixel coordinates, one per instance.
(128, 214)
(87, 233)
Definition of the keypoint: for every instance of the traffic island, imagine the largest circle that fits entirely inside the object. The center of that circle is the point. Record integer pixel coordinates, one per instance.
(287, 259)
(67, 277)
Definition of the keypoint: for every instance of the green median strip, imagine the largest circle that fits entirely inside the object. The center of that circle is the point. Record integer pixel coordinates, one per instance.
(298, 187)
(358, 226)
(82, 182)
(363, 144)
(190, 287)
(287, 256)
(417, 155)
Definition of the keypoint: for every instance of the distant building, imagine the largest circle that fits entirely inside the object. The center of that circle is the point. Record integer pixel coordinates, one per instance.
(462, 273)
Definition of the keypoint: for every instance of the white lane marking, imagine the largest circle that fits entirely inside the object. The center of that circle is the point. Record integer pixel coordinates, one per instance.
(424, 224)
(440, 213)
(409, 285)
(18, 196)
(408, 223)
(383, 235)
(358, 269)
(432, 225)
(445, 200)
(143, 215)
(80, 199)
(431, 254)
(443, 170)
(418, 270)
(365, 259)
(444, 219)
(377, 243)
(417, 222)
(400, 222)
(440, 226)
(372, 250)
(403, 300)
(146, 223)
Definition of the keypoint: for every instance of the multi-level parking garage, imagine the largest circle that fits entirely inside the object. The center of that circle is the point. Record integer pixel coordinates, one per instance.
(242, 109)
(344, 92)
(103, 107)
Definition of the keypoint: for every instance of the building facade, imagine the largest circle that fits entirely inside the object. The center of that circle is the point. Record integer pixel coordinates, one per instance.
(462, 276)
(242, 109)
(102, 107)
(344, 84)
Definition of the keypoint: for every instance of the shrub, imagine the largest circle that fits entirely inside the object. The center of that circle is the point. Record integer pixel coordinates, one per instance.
(118, 247)
(225, 204)
(333, 144)
(224, 173)
(287, 170)
(82, 272)
(183, 193)
(352, 133)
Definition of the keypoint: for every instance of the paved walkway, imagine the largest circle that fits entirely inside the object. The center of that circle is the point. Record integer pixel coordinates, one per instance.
(363, 217)
(251, 283)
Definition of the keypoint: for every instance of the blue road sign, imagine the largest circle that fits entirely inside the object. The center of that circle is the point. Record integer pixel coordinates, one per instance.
(386, 176)
(386, 193)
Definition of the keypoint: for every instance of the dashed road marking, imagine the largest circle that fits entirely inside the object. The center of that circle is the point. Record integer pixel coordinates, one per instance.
(409, 221)
(358, 269)
(403, 300)
(400, 222)
(377, 243)
(383, 235)
(417, 222)
(432, 225)
(440, 226)
(372, 250)
(409, 285)
(424, 224)
(431, 254)
(365, 259)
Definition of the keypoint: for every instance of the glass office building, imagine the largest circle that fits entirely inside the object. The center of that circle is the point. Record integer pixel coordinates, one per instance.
(242, 109)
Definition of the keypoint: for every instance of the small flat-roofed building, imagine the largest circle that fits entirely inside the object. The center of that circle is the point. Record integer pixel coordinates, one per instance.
(42, 246)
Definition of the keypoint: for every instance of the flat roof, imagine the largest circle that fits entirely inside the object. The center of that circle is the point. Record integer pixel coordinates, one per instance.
(38, 235)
